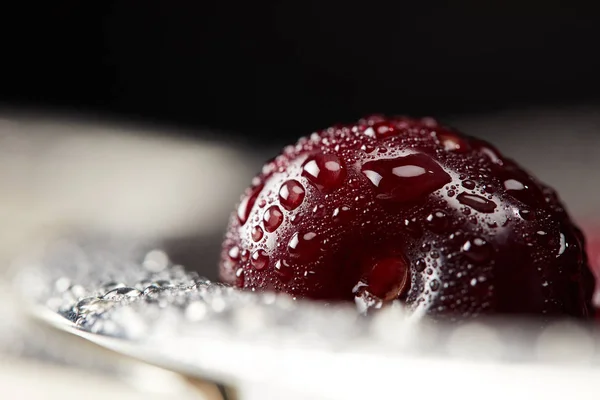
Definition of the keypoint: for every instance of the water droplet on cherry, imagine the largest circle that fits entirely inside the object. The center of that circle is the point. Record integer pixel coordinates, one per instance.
(259, 259)
(325, 171)
(303, 245)
(342, 213)
(272, 218)
(563, 244)
(468, 184)
(477, 249)
(257, 233)
(405, 179)
(452, 142)
(240, 277)
(487, 150)
(234, 253)
(295, 219)
(479, 203)
(437, 221)
(284, 271)
(420, 265)
(291, 194)
(247, 203)
(384, 129)
(527, 215)
(388, 279)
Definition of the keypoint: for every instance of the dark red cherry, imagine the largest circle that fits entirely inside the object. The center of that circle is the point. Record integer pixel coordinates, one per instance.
(404, 209)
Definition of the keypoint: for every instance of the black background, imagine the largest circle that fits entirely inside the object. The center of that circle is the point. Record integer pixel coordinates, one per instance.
(271, 71)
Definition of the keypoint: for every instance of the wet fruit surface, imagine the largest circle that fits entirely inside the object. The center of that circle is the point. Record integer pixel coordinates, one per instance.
(398, 208)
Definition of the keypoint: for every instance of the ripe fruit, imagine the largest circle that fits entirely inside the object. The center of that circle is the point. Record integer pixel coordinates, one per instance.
(407, 209)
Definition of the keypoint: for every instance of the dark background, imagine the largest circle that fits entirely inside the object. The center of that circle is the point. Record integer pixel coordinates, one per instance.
(276, 70)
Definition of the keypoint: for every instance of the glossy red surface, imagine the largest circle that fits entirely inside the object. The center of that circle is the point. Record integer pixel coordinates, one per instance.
(399, 208)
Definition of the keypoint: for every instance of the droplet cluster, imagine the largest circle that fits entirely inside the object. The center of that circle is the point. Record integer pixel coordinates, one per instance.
(405, 209)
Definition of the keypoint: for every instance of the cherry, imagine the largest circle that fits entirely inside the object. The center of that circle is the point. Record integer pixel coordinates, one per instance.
(408, 209)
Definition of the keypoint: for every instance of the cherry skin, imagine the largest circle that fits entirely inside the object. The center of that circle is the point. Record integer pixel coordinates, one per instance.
(400, 208)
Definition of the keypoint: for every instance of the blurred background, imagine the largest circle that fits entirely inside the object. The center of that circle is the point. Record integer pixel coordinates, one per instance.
(147, 119)
(273, 70)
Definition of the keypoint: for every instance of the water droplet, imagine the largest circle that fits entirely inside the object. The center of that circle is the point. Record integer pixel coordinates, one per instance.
(451, 193)
(122, 293)
(563, 244)
(420, 265)
(257, 233)
(513, 184)
(283, 270)
(434, 285)
(468, 184)
(489, 189)
(520, 185)
(295, 219)
(479, 203)
(244, 255)
(370, 132)
(488, 151)
(477, 249)
(405, 179)
(367, 148)
(272, 218)
(527, 215)
(384, 129)
(259, 259)
(247, 203)
(234, 253)
(342, 213)
(161, 284)
(92, 305)
(291, 194)
(437, 221)
(452, 142)
(325, 171)
(303, 245)
(240, 277)
(413, 227)
(387, 279)
(473, 282)
(108, 286)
